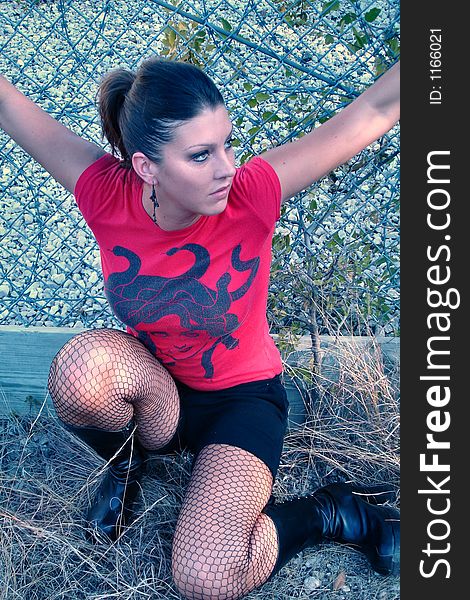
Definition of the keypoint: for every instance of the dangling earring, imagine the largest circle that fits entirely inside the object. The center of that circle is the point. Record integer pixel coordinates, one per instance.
(153, 198)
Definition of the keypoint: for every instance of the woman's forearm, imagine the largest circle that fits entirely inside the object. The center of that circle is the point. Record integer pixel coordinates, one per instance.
(383, 96)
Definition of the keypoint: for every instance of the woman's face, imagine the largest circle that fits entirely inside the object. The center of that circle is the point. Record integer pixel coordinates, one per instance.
(195, 175)
(180, 343)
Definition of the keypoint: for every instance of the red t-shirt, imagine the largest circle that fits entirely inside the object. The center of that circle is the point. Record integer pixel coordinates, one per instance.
(196, 297)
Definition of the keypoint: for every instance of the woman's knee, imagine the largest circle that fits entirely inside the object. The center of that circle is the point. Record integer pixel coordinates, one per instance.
(82, 357)
(89, 368)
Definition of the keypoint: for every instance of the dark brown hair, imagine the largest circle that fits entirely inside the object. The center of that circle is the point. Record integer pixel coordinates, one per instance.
(140, 111)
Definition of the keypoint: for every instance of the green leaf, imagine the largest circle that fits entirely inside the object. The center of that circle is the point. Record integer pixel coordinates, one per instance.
(271, 116)
(252, 102)
(329, 39)
(361, 38)
(380, 66)
(170, 35)
(245, 157)
(248, 87)
(394, 45)
(348, 18)
(330, 7)
(254, 130)
(260, 96)
(372, 14)
(225, 24)
(352, 47)
(326, 117)
(337, 238)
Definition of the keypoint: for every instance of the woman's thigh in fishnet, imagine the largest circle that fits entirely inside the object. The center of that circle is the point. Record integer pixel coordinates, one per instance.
(223, 546)
(105, 377)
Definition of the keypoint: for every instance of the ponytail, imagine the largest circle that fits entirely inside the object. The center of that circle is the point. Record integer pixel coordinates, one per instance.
(111, 97)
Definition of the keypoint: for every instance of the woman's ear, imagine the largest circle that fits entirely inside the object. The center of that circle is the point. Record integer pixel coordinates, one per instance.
(144, 167)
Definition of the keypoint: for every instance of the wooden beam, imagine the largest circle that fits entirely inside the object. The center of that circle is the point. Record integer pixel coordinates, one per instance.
(27, 352)
(26, 355)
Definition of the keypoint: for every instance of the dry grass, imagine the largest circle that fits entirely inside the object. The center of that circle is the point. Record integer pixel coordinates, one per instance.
(46, 475)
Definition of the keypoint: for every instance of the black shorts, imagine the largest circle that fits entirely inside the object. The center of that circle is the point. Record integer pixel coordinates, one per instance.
(251, 416)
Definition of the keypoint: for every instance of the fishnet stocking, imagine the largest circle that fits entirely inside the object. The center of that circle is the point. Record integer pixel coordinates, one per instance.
(104, 377)
(223, 546)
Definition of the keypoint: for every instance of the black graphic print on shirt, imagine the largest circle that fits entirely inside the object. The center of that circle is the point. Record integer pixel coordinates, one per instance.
(203, 312)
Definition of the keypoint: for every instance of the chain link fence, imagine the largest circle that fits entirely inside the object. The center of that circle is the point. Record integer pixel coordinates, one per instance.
(283, 68)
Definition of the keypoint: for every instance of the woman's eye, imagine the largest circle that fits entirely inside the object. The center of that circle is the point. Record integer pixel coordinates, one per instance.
(201, 156)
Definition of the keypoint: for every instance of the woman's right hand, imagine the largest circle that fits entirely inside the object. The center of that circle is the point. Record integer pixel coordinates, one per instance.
(61, 152)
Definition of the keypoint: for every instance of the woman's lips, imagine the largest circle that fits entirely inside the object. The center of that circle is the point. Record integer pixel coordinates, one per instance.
(221, 192)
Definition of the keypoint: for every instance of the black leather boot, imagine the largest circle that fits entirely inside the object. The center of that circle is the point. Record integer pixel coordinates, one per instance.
(112, 507)
(342, 513)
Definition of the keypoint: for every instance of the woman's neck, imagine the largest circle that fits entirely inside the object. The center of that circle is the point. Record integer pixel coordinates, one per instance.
(168, 220)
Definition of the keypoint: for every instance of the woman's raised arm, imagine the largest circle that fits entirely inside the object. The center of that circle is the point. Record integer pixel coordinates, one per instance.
(61, 152)
(298, 164)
